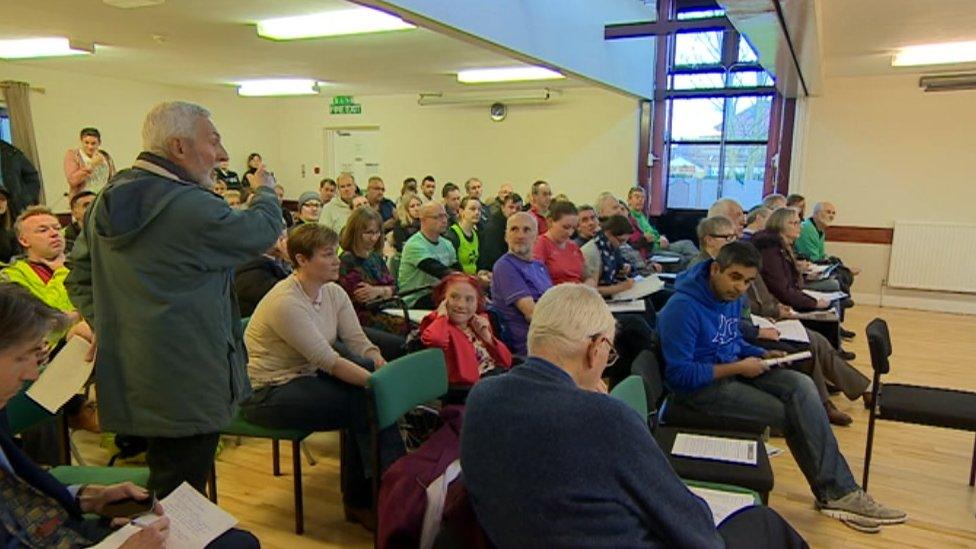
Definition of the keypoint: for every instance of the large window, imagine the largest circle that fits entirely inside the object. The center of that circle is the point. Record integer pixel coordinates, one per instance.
(718, 103)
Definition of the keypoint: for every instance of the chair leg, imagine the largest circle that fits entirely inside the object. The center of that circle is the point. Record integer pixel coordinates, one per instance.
(275, 458)
(212, 483)
(868, 447)
(308, 454)
(972, 468)
(296, 458)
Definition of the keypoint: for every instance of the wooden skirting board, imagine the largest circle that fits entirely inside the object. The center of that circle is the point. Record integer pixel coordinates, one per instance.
(860, 235)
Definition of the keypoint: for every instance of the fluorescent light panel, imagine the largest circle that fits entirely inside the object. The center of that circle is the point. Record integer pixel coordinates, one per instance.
(510, 74)
(332, 23)
(277, 86)
(27, 48)
(935, 54)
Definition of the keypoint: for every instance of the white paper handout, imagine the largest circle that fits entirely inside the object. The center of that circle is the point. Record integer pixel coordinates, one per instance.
(193, 521)
(635, 306)
(63, 377)
(790, 330)
(665, 259)
(787, 359)
(415, 315)
(733, 450)
(643, 287)
(721, 503)
(829, 296)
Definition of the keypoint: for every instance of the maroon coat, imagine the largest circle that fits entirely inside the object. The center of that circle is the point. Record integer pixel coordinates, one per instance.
(780, 272)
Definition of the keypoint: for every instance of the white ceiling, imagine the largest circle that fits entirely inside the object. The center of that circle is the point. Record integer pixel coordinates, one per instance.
(209, 43)
(860, 36)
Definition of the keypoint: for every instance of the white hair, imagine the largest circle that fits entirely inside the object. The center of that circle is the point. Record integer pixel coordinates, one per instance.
(522, 215)
(168, 120)
(567, 316)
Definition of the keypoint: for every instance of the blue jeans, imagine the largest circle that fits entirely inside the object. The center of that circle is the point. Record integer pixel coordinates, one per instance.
(787, 400)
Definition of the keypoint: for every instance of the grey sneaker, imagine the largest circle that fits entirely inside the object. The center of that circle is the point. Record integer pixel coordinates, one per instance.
(859, 505)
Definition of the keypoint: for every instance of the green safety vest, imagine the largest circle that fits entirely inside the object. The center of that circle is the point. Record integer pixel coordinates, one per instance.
(467, 250)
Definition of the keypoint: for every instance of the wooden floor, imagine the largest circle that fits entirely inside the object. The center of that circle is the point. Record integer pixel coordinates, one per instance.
(921, 470)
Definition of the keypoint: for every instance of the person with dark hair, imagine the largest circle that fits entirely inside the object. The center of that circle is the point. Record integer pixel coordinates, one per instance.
(327, 190)
(300, 379)
(375, 188)
(88, 167)
(451, 200)
(464, 236)
(409, 186)
(646, 238)
(255, 170)
(588, 226)
(255, 278)
(540, 196)
(9, 246)
(428, 185)
(79, 203)
(556, 249)
(605, 266)
(797, 202)
(491, 242)
(20, 179)
(710, 368)
(474, 188)
(228, 176)
(499, 201)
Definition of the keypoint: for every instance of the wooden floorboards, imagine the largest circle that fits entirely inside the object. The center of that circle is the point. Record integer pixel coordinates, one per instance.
(919, 469)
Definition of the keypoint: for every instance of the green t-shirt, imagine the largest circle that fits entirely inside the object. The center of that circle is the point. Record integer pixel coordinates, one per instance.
(416, 249)
(811, 242)
(645, 226)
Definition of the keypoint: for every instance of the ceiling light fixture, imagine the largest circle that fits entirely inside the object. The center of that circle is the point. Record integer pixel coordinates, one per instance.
(948, 82)
(277, 86)
(509, 74)
(935, 54)
(27, 48)
(331, 23)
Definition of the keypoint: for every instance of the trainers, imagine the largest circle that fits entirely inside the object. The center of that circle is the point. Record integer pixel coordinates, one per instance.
(862, 525)
(859, 505)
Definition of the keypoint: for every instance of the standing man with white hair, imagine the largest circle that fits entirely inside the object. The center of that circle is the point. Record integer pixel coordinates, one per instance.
(153, 273)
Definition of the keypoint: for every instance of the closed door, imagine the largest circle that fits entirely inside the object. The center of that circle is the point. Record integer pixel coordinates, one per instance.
(354, 151)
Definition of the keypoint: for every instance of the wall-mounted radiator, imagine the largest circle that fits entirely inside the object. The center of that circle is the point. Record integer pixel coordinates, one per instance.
(933, 256)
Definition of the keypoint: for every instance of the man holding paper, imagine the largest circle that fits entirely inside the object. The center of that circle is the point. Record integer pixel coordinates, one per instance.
(35, 509)
(712, 369)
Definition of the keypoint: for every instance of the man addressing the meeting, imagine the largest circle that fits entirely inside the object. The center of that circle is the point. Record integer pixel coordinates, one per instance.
(152, 272)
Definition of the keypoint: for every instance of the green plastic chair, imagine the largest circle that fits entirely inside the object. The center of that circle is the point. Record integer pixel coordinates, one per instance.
(631, 392)
(70, 474)
(399, 387)
(23, 413)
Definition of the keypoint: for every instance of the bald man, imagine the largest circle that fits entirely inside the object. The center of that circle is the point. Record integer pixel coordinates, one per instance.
(811, 245)
(426, 258)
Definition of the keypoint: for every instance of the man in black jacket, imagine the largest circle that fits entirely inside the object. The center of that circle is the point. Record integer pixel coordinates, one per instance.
(20, 177)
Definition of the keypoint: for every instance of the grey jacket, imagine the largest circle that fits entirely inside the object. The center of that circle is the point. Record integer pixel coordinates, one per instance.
(152, 272)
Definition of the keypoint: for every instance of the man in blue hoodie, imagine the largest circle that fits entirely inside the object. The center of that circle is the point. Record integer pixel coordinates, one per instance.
(710, 367)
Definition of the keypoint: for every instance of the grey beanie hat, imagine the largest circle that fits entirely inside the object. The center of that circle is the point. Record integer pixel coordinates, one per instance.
(307, 196)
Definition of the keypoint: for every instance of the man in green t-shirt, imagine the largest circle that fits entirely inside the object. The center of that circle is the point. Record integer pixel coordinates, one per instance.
(426, 257)
(656, 243)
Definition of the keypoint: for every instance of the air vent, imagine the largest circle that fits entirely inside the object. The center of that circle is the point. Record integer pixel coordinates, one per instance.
(948, 82)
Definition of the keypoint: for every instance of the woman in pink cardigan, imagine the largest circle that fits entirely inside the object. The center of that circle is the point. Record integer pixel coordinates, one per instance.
(460, 327)
(88, 167)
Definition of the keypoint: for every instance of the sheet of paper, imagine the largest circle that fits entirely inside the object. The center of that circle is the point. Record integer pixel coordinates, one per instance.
(194, 521)
(416, 315)
(723, 504)
(643, 287)
(667, 276)
(773, 451)
(829, 296)
(63, 377)
(636, 306)
(787, 359)
(665, 259)
(761, 321)
(792, 330)
(733, 450)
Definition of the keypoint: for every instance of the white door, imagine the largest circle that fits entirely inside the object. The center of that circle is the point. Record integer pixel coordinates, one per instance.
(354, 151)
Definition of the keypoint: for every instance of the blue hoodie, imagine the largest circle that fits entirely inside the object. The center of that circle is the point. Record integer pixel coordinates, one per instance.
(698, 331)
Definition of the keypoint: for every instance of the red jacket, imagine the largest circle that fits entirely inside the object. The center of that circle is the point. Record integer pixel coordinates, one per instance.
(462, 363)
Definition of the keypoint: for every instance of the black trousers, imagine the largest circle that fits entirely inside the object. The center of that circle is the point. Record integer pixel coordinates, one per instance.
(759, 527)
(173, 461)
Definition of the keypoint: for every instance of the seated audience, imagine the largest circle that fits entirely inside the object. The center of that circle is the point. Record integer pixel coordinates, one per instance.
(309, 208)
(219, 188)
(374, 196)
(464, 235)
(491, 242)
(336, 211)
(780, 271)
(255, 171)
(451, 199)
(300, 379)
(588, 226)
(755, 221)
(590, 474)
(811, 245)
(473, 187)
(461, 328)
(409, 186)
(79, 203)
(233, 198)
(713, 233)
(285, 212)
(407, 220)
(426, 258)
(605, 266)
(255, 278)
(711, 369)
(327, 190)
(227, 176)
(540, 197)
(797, 202)
(555, 249)
(8, 237)
(729, 208)
(774, 201)
(428, 185)
(518, 280)
(38, 510)
(364, 274)
(88, 167)
(646, 238)
(499, 201)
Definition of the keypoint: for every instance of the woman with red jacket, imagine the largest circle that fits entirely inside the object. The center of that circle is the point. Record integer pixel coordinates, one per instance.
(461, 328)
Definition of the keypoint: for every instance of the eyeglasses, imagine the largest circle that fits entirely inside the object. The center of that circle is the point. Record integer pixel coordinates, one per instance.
(726, 237)
(612, 355)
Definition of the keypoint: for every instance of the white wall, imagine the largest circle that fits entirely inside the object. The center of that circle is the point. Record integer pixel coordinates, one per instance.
(582, 143)
(116, 107)
(882, 150)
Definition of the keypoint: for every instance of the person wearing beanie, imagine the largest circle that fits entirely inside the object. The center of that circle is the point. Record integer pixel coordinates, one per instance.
(309, 208)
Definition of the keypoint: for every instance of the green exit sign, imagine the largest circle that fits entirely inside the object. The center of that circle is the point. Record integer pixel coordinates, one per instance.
(343, 100)
(346, 109)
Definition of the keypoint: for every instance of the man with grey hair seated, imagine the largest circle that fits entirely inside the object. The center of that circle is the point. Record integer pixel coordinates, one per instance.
(774, 201)
(589, 472)
(713, 233)
(755, 221)
(153, 274)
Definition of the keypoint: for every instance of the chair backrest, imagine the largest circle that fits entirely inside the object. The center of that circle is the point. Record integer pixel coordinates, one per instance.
(631, 392)
(23, 413)
(244, 322)
(879, 343)
(405, 383)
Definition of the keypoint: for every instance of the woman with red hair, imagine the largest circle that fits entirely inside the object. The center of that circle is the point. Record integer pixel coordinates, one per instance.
(461, 328)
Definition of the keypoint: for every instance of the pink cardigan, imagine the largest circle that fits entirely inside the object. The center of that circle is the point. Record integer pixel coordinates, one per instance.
(74, 170)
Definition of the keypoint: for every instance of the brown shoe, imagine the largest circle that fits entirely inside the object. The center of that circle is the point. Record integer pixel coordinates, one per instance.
(836, 416)
(364, 516)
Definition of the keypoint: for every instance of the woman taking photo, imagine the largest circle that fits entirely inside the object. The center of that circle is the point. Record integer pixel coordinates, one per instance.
(255, 169)
(364, 274)
(88, 167)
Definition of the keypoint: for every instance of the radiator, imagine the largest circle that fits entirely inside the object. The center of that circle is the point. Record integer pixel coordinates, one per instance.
(933, 256)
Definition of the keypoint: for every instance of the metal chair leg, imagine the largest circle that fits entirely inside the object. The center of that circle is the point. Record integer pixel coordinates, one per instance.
(275, 457)
(212, 483)
(869, 445)
(308, 454)
(296, 458)
(972, 468)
